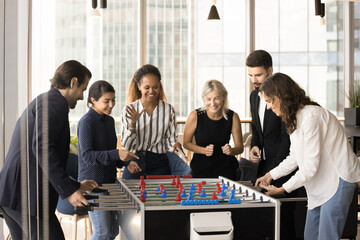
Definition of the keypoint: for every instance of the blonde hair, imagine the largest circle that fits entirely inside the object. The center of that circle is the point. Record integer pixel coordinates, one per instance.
(212, 85)
(134, 93)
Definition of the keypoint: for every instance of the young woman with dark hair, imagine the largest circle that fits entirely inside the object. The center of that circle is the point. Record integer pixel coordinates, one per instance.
(98, 156)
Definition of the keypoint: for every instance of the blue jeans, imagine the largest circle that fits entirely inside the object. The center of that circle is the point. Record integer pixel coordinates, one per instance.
(105, 224)
(177, 165)
(150, 163)
(328, 220)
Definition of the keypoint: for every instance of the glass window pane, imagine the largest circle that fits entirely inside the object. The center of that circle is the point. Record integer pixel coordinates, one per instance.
(220, 50)
(293, 28)
(357, 41)
(168, 31)
(107, 45)
(267, 25)
(310, 53)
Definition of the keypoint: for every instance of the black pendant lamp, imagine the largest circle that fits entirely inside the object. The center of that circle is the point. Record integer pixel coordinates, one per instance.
(95, 12)
(320, 11)
(213, 14)
(103, 3)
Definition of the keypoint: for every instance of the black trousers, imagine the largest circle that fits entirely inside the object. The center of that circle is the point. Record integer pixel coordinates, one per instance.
(13, 221)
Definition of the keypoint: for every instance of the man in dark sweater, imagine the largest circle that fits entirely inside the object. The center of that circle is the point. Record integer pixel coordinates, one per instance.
(34, 173)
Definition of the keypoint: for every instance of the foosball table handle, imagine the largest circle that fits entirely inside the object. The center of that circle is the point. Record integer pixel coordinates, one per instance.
(83, 210)
(100, 190)
(90, 197)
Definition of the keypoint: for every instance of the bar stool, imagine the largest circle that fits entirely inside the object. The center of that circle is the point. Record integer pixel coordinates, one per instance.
(64, 209)
(74, 220)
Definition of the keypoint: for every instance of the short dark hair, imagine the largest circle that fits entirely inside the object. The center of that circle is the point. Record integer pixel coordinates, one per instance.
(66, 71)
(259, 58)
(98, 89)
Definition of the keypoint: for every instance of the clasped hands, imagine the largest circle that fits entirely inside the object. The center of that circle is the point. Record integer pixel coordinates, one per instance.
(209, 149)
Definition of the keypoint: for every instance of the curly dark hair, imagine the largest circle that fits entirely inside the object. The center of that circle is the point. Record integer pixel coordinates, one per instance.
(133, 90)
(291, 96)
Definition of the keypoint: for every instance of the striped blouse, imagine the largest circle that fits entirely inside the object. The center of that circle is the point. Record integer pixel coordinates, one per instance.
(155, 133)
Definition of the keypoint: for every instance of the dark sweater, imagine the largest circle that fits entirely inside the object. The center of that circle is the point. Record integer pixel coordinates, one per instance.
(32, 142)
(98, 156)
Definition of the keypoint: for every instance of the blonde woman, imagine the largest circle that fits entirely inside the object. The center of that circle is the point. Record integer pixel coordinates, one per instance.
(212, 125)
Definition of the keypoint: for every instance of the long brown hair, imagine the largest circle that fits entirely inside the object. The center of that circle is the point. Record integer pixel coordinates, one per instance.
(292, 97)
(133, 90)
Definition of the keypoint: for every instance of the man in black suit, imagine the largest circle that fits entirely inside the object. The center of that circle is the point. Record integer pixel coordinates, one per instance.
(270, 143)
(34, 173)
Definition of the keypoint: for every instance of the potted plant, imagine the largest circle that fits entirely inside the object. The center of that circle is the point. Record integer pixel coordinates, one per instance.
(352, 114)
(74, 144)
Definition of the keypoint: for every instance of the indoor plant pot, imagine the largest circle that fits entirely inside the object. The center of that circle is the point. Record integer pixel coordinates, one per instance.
(352, 114)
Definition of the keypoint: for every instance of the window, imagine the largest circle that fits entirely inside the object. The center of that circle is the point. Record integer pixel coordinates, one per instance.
(357, 41)
(167, 26)
(190, 50)
(220, 51)
(310, 53)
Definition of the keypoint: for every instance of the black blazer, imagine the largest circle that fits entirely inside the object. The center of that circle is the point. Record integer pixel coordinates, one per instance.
(274, 139)
(27, 142)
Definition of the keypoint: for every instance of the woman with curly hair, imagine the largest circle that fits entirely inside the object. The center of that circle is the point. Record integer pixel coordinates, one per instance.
(327, 166)
(148, 125)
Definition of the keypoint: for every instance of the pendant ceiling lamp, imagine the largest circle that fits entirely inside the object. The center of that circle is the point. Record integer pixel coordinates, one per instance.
(94, 12)
(213, 14)
(320, 11)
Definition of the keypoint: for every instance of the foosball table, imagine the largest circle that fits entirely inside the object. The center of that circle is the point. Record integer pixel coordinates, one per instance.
(160, 208)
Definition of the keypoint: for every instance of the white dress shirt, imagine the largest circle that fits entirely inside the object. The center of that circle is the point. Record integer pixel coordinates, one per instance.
(262, 108)
(155, 133)
(321, 150)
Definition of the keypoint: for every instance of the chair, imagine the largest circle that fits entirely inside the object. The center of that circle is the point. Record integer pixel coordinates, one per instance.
(247, 139)
(188, 152)
(246, 143)
(247, 170)
(65, 209)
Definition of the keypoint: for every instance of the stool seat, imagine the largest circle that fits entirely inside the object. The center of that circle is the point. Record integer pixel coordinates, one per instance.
(64, 209)
(74, 219)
